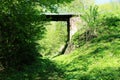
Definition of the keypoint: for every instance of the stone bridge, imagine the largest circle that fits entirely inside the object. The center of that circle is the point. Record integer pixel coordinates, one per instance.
(71, 18)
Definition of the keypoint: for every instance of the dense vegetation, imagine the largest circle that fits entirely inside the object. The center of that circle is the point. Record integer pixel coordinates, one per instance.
(29, 45)
(96, 59)
(21, 26)
(19, 29)
(54, 39)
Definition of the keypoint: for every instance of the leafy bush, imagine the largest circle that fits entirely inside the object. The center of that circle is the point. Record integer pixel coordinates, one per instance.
(111, 23)
(91, 17)
(107, 27)
(20, 27)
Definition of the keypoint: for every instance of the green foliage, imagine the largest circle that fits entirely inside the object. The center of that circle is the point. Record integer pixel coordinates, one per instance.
(52, 5)
(55, 38)
(110, 7)
(20, 27)
(75, 6)
(78, 39)
(91, 17)
(99, 58)
(105, 25)
(110, 24)
(93, 61)
(39, 70)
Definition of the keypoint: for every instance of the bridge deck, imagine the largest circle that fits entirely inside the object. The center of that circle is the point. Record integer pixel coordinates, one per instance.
(60, 16)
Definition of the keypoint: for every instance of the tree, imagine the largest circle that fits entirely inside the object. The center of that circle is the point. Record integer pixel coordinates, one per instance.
(20, 27)
(76, 6)
(90, 16)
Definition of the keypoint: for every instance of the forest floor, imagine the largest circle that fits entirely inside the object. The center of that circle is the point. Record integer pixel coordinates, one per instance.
(98, 60)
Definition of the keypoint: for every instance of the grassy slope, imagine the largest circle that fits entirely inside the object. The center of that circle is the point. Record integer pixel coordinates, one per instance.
(96, 60)
(99, 60)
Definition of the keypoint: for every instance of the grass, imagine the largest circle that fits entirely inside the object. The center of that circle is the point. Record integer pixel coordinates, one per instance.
(97, 59)
(43, 69)
(93, 61)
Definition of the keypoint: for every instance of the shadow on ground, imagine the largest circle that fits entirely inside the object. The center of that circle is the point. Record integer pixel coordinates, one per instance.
(42, 69)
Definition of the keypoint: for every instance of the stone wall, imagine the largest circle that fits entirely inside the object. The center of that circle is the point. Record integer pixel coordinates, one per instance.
(73, 25)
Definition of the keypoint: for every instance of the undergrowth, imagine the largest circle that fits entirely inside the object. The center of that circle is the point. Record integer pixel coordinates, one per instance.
(92, 61)
(97, 58)
(42, 69)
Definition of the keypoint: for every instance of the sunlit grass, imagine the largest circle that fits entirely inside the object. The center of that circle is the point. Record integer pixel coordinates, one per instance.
(92, 60)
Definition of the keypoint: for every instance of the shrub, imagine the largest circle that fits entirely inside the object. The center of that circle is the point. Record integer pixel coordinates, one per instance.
(20, 28)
